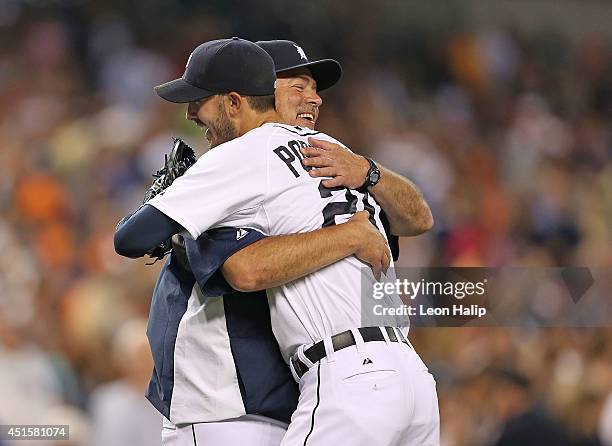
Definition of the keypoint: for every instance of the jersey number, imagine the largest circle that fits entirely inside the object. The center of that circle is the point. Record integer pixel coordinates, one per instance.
(343, 207)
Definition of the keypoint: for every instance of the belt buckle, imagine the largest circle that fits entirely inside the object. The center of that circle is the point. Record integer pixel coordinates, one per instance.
(299, 363)
(295, 367)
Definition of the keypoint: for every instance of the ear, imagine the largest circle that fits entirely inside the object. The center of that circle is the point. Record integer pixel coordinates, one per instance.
(235, 103)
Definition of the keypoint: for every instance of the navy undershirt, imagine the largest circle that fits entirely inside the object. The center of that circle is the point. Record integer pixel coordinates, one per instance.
(143, 230)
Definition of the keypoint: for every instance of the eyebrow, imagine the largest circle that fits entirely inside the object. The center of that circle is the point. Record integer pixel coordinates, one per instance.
(306, 79)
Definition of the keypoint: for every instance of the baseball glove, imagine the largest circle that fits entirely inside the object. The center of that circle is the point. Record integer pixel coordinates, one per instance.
(181, 158)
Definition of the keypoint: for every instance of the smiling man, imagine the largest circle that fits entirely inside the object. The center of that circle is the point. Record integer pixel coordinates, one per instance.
(299, 81)
(298, 84)
(297, 98)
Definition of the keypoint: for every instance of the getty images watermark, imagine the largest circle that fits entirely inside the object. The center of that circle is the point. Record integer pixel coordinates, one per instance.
(451, 297)
(407, 289)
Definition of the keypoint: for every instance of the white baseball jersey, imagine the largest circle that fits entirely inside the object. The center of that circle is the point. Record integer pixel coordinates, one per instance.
(258, 181)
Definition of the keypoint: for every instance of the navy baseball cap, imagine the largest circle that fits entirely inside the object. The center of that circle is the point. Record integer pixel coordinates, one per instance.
(221, 66)
(288, 55)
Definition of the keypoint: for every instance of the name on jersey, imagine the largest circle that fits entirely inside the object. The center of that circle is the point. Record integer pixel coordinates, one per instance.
(292, 157)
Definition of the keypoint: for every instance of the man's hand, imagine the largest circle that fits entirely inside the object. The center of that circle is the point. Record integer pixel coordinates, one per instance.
(402, 201)
(276, 260)
(346, 168)
(372, 247)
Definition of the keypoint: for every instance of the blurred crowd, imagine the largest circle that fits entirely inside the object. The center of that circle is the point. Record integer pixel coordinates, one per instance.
(507, 133)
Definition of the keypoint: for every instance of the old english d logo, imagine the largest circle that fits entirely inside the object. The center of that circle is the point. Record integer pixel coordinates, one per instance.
(301, 52)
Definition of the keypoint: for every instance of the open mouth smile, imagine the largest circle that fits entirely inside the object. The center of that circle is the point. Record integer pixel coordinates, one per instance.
(307, 116)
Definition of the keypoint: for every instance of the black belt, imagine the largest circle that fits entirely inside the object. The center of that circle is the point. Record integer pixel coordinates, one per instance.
(342, 340)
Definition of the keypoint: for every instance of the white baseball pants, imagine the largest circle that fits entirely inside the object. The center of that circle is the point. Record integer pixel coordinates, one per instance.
(377, 393)
(248, 430)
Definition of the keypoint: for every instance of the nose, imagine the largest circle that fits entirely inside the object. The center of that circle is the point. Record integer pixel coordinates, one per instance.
(314, 98)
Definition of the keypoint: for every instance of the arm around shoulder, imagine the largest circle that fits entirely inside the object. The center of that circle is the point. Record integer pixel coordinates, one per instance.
(274, 261)
(408, 212)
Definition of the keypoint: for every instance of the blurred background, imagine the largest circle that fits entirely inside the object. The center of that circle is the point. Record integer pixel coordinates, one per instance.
(500, 111)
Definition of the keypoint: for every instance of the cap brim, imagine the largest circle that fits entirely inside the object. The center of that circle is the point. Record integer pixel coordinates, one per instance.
(180, 91)
(326, 72)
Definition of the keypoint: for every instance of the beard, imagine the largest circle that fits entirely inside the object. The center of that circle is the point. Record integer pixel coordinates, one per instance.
(221, 130)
